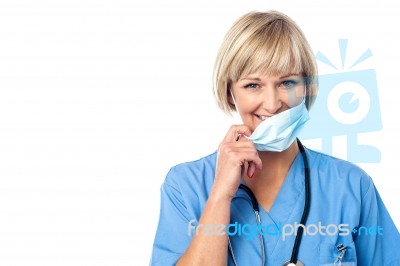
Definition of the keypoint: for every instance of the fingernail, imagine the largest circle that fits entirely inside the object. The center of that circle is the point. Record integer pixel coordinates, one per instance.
(238, 137)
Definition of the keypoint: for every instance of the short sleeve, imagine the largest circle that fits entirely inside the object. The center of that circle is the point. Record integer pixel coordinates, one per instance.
(172, 236)
(377, 239)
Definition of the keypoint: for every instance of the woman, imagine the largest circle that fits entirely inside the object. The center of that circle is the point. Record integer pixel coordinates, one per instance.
(310, 208)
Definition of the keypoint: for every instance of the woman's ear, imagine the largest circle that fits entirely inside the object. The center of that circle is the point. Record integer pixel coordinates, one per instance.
(229, 94)
(230, 99)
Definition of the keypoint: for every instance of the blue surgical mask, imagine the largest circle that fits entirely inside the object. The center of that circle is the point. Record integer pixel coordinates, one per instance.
(278, 132)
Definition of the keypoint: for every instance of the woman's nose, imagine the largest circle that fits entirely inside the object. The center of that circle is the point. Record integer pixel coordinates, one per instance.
(271, 100)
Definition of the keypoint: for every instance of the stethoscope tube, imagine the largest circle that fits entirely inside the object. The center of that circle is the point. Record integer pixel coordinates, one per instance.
(303, 220)
(253, 198)
(256, 209)
(293, 259)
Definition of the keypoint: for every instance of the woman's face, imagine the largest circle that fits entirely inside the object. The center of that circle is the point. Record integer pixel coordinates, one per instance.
(259, 96)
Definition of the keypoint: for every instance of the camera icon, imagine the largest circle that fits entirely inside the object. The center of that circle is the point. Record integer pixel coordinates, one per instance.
(347, 104)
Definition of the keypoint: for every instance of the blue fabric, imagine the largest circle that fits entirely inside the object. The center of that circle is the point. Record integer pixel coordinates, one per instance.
(341, 193)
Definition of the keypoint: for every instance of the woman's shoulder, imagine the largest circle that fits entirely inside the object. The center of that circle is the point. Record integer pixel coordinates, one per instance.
(196, 174)
(203, 162)
(330, 162)
(335, 171)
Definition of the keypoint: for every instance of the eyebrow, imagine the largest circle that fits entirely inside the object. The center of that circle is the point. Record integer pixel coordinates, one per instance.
(250, 78)
(290, 74)
(281, 77)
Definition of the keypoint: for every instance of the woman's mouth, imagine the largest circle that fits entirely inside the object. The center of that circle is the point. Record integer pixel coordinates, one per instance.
(261, 117)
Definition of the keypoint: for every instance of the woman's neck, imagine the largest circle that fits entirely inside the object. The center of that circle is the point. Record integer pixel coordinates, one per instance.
(278, 161)
(266, 183)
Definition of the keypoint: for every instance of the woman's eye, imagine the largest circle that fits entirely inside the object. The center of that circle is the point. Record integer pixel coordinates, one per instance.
(251, 86)
(288, 84)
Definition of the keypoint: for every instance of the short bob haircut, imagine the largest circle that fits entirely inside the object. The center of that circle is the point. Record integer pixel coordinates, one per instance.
(267, 42)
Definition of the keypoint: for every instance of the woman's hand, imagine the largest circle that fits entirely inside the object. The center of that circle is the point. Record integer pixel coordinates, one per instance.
(233, 153)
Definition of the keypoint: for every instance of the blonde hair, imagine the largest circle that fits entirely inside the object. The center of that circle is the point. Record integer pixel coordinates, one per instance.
(266, 42)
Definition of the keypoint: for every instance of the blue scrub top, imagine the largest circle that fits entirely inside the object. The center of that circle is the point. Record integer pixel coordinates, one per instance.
(345, 209)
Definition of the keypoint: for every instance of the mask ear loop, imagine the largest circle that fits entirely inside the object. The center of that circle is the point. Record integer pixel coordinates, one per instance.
(237, 111)
(234, 102)
(236, 106)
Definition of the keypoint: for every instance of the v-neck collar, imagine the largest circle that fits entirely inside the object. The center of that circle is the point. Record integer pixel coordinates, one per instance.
(289, 194)
(287, 206)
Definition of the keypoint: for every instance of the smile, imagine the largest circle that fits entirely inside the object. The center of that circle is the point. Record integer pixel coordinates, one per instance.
(262, 117)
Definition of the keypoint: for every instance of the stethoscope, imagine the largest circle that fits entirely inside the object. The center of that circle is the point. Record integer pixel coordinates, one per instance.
(293, 259)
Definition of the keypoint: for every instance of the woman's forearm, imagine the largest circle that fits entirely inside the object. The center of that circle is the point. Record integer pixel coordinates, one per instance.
(209, 245)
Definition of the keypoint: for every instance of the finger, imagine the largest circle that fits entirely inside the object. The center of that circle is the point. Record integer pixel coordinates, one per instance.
(254, 165)
(243, 141)
(236, 130)
(254, 161)
(242, 170)
(251, 170)
(247, 151)
(242, 137)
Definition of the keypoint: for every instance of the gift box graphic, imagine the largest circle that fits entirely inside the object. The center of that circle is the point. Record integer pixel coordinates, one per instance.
(347, 104)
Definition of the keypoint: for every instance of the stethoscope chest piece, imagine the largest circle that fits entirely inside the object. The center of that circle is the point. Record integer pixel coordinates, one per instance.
(288, 263)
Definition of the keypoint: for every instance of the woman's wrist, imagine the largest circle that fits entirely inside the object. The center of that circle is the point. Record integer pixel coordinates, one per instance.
(220, 197)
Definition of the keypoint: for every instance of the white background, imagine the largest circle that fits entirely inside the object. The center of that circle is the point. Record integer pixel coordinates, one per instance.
(98, 99)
